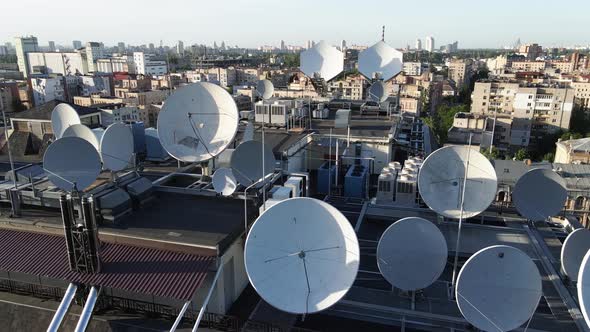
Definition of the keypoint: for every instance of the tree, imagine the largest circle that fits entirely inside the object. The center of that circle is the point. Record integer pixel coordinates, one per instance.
(521, 154)
(442, 120)
(495, 154)
(549, 157)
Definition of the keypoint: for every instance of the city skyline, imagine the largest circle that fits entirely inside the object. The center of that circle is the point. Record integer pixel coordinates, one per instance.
(265, 22)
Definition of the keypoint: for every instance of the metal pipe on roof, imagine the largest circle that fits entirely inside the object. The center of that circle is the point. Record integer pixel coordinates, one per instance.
(92, 230)
(86, 314)
(180, 315)
(202, 311)
(67, 215)
(63, 308)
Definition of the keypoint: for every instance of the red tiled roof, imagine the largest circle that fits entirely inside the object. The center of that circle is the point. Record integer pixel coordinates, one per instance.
(130, 268)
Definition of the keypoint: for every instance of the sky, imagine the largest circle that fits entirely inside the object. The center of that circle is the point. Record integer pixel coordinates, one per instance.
(251, 23)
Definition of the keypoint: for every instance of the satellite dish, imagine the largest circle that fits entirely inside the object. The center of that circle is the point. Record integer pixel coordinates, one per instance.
(575, 246)
(98, 132)
(71, 163)
(377, 92)
(584, 287)
(412, 253)
(539, 194)
(322, 60)
(440, 182)
(248, 132)
(224, 181)
(265, 89)
(63, 116)
(246, 162)
(498, 288)
(380, 61)
(116, 147)
(197, 122)
(85, 133)
(302, 255)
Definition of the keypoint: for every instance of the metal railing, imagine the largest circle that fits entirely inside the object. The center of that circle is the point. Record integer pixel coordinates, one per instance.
(106, 302)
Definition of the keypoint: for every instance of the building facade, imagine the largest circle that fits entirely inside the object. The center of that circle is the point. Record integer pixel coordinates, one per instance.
(23, 46)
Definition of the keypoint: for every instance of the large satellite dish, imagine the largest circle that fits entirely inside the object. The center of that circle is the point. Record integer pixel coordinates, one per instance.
(116, 147)
(265, 89)
(498, 288)
(574, 248)
(377, 92)
(85, 133)
(302, 255)
(412, 253)
(584, 287)
(539, 194)
(440, 182)
(197, 122)
(380, 61)
(246, 162)
(71, 163)
(322, 60)
(224, 181)
(63, 116)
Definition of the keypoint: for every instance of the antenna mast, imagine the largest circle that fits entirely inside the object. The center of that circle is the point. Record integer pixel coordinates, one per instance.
(383, 34)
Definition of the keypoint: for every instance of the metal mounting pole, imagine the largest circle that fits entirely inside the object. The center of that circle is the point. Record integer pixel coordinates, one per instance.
(263, 173)
(202, 311)
(458, 243)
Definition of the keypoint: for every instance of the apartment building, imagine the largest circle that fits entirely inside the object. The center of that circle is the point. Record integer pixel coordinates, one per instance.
(96, 99)
(23, 46)
(59, 63)
(351, 87)
(460, 71)
(582, 94)
(489, 98)
(414, 68)
(94, 51)
(530, 66)
(223, 76)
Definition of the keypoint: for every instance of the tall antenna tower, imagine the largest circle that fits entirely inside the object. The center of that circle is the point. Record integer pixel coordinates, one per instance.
(383, 33)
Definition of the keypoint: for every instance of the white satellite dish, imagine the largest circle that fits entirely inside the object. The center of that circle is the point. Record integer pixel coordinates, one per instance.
(322, 60)
(380, 61)
(224, 181)
(71, 163)
(575, 246)
(412, 253)
(539, 194)
(584, 287)
(440, 182)
(98, 133)
(63, 116)
(116, 147)
(246, 162)
(377, 92)
(498, 288)
(197, 122)
(302, 255)
(85, 133)
(265, 89)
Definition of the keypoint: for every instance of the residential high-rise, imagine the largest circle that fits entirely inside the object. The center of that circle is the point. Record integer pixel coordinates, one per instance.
(308, 45)
(121, 47)
(222, 46)
(23, 46)
(418, 44)
(429, 44)
(343, 45)
(94, 51)
(77, 44)
(51, 46)
(283, 45)
(180, 48)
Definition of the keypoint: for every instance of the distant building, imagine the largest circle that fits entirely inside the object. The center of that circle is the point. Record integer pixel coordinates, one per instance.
(283, 47)
(351, 87)
(51, 46)
(123, 64)
(94, 51)
(180, 48)
(343, 45)
(414, 68)
(144, 65)
(530, 51)
(418, 44)
(430, 44)
(62, 63)
(582, 94)
(76, 44)
(121, 47)
(23, 46)
(528, 66)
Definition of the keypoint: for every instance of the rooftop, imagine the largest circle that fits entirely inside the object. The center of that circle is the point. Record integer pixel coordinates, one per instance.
(43, 112)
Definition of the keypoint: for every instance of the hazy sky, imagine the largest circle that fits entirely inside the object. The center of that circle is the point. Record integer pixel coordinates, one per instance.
(251, 23)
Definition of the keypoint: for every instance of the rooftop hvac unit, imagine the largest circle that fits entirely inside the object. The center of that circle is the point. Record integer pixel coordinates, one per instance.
(283, 193)
(296, 185)
(140, 191)
(326, 177)
(355, 181)
(113, 205)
